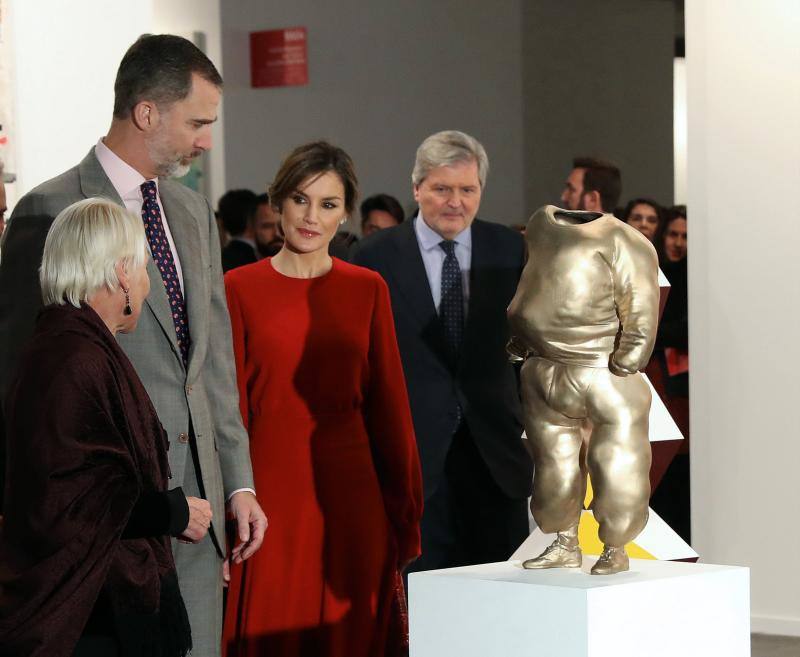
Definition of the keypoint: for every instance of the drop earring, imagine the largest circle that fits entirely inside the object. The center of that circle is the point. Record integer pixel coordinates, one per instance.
(127, 310)
(343, 221)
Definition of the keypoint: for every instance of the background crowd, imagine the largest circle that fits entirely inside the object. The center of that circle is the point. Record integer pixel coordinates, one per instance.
(371, 374)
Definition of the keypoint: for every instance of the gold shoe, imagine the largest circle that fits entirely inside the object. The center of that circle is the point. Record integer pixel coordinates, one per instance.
(562, 553)
(613, 560)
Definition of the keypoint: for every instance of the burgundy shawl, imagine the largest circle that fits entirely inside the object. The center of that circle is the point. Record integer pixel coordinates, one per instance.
(84, 442)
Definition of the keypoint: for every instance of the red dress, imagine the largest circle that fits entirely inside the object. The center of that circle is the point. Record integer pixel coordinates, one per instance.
(323, 396)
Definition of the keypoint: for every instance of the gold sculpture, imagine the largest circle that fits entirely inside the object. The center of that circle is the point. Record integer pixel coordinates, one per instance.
(584, 320)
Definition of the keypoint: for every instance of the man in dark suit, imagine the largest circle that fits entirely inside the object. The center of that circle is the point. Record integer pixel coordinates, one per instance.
(165, 99)
(236, 210)
(451, 278)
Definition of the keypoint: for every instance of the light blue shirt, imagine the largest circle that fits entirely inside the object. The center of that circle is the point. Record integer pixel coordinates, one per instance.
(433, 257)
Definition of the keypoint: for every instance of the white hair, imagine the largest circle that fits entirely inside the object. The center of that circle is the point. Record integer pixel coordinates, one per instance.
(447, 148)
(83, 247)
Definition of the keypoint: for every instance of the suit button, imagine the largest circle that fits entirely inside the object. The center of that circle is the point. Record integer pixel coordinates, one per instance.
(188, 390)
(183, 438)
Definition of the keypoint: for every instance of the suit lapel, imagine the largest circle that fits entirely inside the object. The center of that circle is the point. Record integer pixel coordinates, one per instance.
(411, 280)
(158, 302)
(95, 183)
(188, 244)
(480, 291)
(409, 274)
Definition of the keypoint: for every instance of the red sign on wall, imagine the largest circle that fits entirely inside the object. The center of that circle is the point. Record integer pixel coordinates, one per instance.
(279, 58)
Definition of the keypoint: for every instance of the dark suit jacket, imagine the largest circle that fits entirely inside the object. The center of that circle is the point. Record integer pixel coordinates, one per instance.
(237, 253)
(482, 381)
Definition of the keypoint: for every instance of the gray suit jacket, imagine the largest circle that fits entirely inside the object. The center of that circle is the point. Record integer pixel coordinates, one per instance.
(204, 397)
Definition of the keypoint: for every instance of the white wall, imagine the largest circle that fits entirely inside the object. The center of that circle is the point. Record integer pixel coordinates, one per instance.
(383, 75)
(65, 60)
(598, 81)
(679, 131)
(743, 65)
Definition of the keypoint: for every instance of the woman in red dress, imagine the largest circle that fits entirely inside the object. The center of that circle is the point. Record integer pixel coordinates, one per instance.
(323, 396)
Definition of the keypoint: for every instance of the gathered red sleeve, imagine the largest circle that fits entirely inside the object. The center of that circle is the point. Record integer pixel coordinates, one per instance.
(391, 430)
(239, 341)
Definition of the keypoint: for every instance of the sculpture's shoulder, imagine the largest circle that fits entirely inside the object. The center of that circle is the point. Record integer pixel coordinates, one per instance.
(537, 222)
(627, 237)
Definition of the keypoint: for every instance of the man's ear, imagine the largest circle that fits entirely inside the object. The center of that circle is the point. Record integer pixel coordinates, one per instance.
(145, 115)
(592, 201)
(415, 188)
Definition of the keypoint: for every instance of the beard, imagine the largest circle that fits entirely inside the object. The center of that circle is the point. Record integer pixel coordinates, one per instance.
(166, 161)
(269, 249)
(176, 169)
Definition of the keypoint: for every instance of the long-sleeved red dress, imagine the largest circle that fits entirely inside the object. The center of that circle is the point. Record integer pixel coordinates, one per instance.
(323, 396)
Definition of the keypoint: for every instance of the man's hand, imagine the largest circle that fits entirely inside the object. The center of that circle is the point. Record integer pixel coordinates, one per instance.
(199, 520)
(251, 523)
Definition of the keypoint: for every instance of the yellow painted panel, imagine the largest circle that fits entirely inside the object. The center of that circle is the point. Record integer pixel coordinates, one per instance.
(589, 493)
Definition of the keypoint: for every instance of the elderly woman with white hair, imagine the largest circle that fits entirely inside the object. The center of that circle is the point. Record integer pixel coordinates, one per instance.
(86, 566)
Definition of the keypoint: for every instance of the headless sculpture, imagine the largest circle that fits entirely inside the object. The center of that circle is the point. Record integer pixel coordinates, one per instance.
(584, 320)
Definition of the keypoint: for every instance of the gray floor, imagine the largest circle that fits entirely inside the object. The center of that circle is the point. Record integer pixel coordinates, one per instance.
(764, 645)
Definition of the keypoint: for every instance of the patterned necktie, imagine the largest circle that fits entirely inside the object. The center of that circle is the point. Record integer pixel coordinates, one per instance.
(451, 309)
(164, 260)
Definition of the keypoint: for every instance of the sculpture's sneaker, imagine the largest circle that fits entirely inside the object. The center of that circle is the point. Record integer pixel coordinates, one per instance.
(557, 555)
(613, 560)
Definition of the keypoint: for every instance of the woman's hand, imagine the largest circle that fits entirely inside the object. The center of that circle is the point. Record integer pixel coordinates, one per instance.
(199, 520)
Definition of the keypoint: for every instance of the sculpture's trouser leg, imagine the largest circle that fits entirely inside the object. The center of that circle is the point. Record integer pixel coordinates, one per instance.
(558, 399)
(619, 455)
(556, 441)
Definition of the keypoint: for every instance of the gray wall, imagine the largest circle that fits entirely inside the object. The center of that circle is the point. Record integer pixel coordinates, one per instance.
(598, 81)
(537, 81)
(383, 75)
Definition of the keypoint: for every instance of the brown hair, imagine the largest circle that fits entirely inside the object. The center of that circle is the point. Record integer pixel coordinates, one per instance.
(310, 160)
(159, 67)
(660, 212)
(601, 177)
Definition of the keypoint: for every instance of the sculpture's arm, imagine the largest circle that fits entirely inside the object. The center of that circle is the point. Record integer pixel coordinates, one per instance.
(517, 352)
(635, 275)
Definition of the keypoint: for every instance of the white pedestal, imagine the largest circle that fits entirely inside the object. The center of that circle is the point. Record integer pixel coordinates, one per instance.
(657, 609)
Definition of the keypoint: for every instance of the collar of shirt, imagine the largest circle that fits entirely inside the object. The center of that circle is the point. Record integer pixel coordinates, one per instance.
(429, 239)
(125, 179)
(433, 257)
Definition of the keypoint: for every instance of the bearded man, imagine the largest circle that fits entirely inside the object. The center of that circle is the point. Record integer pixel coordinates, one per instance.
(166, 96)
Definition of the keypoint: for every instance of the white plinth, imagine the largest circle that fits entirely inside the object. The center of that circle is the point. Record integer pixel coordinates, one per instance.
(657, 609)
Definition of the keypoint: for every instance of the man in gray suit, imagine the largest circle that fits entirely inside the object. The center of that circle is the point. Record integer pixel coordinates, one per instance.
(166, 98)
